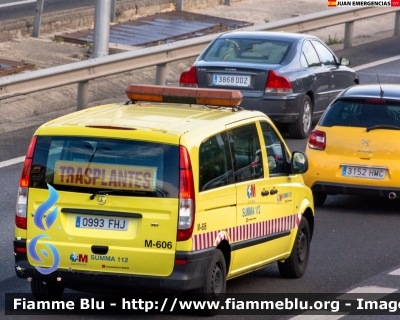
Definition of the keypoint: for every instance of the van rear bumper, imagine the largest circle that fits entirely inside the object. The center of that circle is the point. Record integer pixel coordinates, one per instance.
(184, 276)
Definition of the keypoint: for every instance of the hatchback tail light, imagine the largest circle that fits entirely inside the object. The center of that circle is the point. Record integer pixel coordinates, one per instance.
(375, 101)
(22, 197)
(189, 78)
(277, 83)
(317, 140)
(186, 196)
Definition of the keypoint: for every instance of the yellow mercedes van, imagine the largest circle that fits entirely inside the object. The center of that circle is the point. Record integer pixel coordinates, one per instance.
(178, 189)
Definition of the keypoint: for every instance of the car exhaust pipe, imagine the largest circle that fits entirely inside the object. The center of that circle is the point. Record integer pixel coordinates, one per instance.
(392, 195)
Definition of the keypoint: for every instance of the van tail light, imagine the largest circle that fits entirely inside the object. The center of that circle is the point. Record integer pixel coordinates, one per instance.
(189, 78)
(277, 83)
(317, 140)
(22, 197)
(186, 196)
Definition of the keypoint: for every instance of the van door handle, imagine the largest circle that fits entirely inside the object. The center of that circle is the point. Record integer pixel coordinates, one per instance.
(264, 192)
(273, 191)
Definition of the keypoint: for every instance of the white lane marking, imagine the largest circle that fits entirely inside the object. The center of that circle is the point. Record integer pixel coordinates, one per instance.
(11, 4)
(379, 292)
(16, 3)
(11, 162)
(376, 63)
(306, 316)
(395, 272)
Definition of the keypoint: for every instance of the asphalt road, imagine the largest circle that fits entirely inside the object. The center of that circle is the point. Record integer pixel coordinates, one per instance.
(356, 239)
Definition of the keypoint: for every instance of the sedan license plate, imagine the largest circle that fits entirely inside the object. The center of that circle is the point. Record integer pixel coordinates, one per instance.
(364, 172)
(231, 80)
(96, 222)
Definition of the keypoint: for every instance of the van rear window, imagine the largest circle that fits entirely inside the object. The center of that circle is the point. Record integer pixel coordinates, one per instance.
(120, 167)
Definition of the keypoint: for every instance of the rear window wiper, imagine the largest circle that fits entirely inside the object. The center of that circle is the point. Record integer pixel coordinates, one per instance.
(383, 127)
(158, 192)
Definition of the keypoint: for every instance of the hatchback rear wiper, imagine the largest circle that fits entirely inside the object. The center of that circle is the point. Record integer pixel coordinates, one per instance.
(158, 192)
(383, 127)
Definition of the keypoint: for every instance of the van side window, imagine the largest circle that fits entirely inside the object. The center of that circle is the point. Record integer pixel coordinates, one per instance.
(245, 148)
(274, 147)
(215, 162)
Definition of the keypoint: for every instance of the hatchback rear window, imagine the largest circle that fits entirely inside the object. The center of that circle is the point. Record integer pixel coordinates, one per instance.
(362, 113)
(120, 167)
(247, 50)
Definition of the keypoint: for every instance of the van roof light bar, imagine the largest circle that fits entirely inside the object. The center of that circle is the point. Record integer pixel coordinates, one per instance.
(214, 97)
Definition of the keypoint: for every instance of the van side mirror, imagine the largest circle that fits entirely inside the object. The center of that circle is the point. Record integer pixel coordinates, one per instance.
(299, 163)
(344, 61)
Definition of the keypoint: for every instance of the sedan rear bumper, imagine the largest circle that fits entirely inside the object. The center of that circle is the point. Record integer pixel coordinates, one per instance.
(335, 188)
(281, 109)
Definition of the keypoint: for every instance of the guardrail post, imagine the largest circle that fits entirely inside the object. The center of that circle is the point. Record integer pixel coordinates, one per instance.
(348, 34)
(397, 24)
(179, 5)
(161, 74)
(83, 94)
(113, 10)
(38, 18)
(227, 2)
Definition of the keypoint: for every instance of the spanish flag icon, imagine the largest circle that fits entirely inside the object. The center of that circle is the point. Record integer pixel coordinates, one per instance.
(331, 3)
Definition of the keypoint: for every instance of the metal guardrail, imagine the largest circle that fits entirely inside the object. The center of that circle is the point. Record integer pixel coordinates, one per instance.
(83, 71)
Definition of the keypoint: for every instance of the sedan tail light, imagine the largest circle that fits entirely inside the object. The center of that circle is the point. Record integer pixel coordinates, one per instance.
(189, 78)
(277, 83)
(317, 140)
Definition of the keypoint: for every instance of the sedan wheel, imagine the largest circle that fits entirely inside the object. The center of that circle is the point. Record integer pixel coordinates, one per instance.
(302, 127)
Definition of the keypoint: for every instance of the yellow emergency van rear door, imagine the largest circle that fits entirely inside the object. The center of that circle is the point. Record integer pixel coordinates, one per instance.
(103, 205)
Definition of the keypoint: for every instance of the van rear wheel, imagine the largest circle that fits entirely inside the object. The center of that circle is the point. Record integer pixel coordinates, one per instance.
(215, 283)
(46, 290)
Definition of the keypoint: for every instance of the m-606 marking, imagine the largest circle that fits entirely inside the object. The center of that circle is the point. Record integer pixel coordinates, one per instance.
(158, 244)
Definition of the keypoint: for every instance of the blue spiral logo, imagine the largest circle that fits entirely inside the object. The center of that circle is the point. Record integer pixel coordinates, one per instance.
(49, 221)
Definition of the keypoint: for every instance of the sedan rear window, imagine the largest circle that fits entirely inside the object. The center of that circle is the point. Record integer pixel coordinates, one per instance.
(120, 167)
(362, 113)
(247, 50)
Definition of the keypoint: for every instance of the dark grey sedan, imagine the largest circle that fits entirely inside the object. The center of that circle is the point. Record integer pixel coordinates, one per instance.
(290, 77)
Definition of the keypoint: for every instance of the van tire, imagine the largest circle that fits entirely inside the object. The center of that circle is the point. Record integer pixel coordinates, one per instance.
(302, 127)
(215, 283)
(46, 290)
(295, 266)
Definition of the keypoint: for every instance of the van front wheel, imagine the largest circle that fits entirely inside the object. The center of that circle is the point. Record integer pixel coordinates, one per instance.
(46, 290)
(295, 266)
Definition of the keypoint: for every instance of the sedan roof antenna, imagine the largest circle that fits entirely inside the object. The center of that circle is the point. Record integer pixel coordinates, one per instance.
(379, 81)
